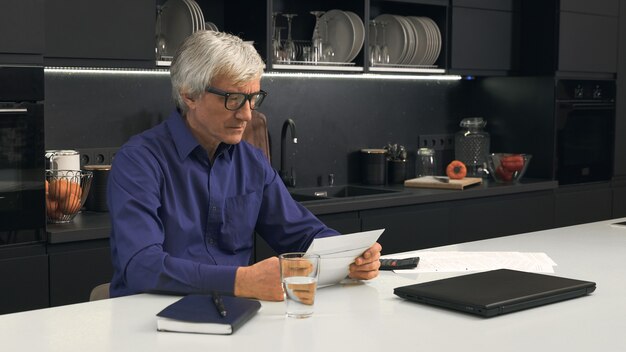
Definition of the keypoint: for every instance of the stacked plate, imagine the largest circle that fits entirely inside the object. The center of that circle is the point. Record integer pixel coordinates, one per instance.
(344, 32)
(410, 40)
(177, 20)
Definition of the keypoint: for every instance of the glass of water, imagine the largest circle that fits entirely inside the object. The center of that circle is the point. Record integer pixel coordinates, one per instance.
(299, 273)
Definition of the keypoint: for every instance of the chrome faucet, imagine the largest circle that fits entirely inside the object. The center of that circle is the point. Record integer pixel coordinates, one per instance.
(288, 177)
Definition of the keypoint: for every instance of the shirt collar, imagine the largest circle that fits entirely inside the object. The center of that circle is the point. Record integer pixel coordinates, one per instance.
(186, 143)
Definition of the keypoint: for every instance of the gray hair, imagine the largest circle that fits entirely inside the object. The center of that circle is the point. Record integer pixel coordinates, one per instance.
(206, 55)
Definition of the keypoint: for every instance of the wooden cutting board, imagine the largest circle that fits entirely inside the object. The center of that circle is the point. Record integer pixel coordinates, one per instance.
(430, 182)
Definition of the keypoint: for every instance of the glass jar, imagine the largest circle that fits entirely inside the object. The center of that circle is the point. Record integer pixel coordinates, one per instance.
(471, 146)
(425, 162)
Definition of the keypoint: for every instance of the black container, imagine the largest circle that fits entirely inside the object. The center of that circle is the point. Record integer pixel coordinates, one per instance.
(373, 166)
(97, 197)
(397, 171)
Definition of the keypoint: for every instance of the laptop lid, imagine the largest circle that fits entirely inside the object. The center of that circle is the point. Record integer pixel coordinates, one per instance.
(495, 292)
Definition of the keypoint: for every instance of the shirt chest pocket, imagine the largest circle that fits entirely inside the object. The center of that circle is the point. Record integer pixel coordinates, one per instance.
(240, 215)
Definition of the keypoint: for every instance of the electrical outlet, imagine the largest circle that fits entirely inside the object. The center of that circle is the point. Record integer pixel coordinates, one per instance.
(436, 141)
(97, 156)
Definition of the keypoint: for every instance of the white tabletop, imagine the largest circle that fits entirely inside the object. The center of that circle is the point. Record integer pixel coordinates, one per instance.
(368, 316)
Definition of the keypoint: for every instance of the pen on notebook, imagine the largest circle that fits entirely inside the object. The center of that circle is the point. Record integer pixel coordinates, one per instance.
(219, 304)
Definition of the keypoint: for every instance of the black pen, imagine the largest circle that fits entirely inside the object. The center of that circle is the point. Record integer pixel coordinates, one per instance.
(219, 304)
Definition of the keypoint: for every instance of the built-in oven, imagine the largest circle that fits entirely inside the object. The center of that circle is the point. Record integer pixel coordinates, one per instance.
(22, 165)
(585, 130)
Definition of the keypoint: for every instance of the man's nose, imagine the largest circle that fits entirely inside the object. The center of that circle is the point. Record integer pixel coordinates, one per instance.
(244, 113)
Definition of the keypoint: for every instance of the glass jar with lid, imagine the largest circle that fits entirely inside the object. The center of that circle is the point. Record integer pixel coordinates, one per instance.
(471, 146)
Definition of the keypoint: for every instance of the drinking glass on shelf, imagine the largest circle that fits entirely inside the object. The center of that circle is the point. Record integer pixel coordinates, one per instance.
(374, 57)
(290, 47)
(317, 45)
(384, 50)
(161, 42)
(328, 53)
(276, 50)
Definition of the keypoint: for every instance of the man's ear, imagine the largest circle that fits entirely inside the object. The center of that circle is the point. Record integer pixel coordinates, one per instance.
(188, 100)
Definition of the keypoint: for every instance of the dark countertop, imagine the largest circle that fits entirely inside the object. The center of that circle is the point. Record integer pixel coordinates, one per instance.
(94, 225)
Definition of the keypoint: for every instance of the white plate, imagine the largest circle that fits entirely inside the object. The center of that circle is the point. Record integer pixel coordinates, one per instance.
(201, 14)
(436, 39)
(194, 17)
(340, 33)
(430, 52)
(395, 37)
(422, 41)
(359, 35)
(211, 26)
(176, 23)
(411, 45)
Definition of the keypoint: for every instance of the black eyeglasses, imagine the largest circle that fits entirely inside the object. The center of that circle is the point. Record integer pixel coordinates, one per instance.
(234, 101)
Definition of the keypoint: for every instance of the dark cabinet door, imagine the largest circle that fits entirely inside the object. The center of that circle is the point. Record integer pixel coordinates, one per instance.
(409, 228)
(112, 30)
(587, 43)
(619, 202)
(21, 31)
(483, 40)
(579, 204)
(23, 281)
(342, 222)
(74, 272)
(598, 7)
(483, 218)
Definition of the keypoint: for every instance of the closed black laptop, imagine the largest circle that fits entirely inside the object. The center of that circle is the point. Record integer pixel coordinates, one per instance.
(495, 292)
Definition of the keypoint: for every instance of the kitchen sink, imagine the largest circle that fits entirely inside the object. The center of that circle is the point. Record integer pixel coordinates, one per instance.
(329, 192)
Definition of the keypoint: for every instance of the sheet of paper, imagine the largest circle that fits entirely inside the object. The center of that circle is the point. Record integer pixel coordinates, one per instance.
(338, 252)
(456, 261)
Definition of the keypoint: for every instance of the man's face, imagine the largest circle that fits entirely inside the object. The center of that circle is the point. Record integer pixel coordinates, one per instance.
(212, 122)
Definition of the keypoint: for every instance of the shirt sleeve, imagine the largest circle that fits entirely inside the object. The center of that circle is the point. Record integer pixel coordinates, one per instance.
(137, 236)
(286, 225)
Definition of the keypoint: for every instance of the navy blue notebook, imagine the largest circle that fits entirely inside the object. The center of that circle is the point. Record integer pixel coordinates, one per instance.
(198, 314)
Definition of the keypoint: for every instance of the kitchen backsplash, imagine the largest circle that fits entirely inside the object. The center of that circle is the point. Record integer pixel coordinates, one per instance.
(335, 117)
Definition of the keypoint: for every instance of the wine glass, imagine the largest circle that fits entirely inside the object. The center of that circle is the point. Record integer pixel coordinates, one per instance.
(317, 40)
(290, 47)
(384, 50)
(161, 42)
(276, 50)
(375, 48)
(328, 54)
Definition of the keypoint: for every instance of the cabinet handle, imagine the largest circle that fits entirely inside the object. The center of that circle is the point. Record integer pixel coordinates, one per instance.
(8, 111)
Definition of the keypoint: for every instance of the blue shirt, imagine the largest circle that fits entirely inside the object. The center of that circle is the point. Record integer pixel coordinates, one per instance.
(183, 225)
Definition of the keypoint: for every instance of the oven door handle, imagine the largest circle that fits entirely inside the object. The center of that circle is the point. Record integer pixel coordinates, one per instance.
(13, 111)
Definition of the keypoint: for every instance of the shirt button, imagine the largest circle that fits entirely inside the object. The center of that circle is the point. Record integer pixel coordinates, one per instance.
(211, 241)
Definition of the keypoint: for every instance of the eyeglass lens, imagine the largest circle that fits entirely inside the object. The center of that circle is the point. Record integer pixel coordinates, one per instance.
(235, 101)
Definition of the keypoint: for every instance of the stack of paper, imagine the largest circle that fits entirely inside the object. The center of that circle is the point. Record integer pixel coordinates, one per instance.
(455, 261)
(338, 252)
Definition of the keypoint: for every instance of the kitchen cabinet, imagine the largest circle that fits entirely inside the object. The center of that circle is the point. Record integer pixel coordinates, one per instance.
(23, 278)
(484, 37)
(114, 33)
(409, 227)
(76, 268)
(21, 32)
(570, 38)
(435, 224)
(578, 204)
(345, 223)
(619, 200)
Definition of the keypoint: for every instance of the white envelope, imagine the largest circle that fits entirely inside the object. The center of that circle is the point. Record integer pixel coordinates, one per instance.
(338, 252)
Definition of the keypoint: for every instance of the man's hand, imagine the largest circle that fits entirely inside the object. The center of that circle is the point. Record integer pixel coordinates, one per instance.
(366, 266)
(260, 281)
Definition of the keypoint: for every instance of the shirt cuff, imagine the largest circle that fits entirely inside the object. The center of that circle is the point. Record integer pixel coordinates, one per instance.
(219, 278)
